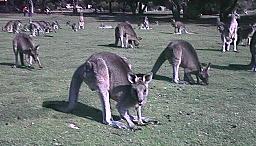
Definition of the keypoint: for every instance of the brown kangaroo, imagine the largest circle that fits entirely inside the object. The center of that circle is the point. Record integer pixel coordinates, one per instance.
(110, 75)
(181, 53)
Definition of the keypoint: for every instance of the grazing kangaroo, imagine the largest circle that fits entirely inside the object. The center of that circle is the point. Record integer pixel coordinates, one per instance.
(22, 44)
(35, 28)
(181, 53)
(245, 33)
(16, 26)
(253, 52)
(179, 27)
(110, 75)
(125, 29)
(229, 34)
(8, 26)
(12, 26)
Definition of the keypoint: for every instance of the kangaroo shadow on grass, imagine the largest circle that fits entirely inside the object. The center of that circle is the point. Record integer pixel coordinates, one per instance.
(110, 45)
(232, 67)
(162, 78)
(167, 32)
(80, 110)
(12, 65)
(214, 50)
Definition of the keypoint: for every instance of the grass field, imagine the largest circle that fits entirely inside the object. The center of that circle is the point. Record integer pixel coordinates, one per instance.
(222, 113)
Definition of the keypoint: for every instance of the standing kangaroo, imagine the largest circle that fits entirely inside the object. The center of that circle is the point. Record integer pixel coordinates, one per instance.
(253, 52)
(111, 76)
(229, 34)
(181, 53)
(125, 29)
(22, 44)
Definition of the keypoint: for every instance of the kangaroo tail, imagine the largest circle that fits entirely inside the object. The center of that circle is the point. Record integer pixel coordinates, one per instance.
(187, 32)
(160, 60)
(116, 35)
(75, 85)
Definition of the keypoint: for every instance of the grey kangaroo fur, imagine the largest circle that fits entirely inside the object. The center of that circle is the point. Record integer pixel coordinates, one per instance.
(245, 33)
(220, 25)
(125, 30)
(179, 27)
(23, 44)
(110, 75)
(253, 52)
(12, 26)
(180, 53)
(229, 33)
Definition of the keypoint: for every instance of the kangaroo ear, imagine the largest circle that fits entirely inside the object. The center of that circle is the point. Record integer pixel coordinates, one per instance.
(208, 66)
(132, 78)
(37, 47)
(88, 66)
(148, 77)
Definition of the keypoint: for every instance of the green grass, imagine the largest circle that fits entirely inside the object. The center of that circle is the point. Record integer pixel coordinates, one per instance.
(222, 113)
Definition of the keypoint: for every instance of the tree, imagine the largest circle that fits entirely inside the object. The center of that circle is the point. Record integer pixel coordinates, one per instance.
(226, 7)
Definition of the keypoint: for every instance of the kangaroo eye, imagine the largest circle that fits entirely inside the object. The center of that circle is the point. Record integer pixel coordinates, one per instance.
(145, 91)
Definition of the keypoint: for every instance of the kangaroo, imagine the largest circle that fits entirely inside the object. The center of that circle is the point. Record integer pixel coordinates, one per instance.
(253, 52)
(145, 24)
(22, 44)
(35, 28)
(12, 26)
(229, 34)
(8, 26)
(245, 33)
(81, 21)
(181, 53)
(125, 29)
(110, 75)
(74, 27)
(179, 27)
(220, 25)
(16, 26)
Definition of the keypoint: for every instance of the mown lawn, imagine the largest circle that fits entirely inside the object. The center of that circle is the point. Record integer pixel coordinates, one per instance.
(222, 113)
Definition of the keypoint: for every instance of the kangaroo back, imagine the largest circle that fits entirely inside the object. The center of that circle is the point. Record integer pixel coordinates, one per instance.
(253, 52)
(127, 29)
(23, 42)
(160, 60)
(184, 52)
(111, 76)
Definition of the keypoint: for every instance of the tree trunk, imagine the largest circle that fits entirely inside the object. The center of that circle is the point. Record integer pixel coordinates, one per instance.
(75, 3)
(43, 5)
(226, 9)
(31, 8)
(176, 9)
(194, 9)
(110, 7)
(133, 5)
(142, 8)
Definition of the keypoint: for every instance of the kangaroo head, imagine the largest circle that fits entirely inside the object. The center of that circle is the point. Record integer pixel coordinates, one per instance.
(204, 74)
(137, 41)
(139, 83)
(234, 15)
